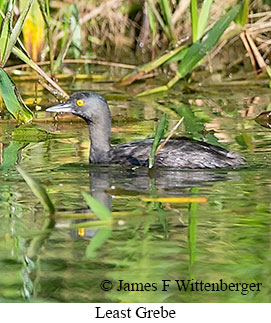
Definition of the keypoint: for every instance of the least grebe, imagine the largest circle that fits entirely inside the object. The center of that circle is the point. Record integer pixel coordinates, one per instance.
(181, 153)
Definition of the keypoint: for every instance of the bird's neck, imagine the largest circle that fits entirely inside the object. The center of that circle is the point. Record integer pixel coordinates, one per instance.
(100, 142)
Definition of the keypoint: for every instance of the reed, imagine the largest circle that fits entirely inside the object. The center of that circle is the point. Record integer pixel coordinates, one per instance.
(198, 50)
(9, 38)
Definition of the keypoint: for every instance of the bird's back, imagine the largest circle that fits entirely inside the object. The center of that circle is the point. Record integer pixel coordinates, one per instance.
(180, 153)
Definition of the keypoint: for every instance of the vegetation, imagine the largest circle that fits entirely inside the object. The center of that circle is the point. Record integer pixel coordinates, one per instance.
(158, 32)
(154, 230)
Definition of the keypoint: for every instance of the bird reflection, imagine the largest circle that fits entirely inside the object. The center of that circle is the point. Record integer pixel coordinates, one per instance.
(105, 181)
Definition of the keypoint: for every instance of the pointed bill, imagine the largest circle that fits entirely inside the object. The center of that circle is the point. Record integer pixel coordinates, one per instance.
(65, 107)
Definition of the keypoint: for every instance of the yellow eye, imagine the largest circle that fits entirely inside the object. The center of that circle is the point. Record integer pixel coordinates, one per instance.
(80, 103)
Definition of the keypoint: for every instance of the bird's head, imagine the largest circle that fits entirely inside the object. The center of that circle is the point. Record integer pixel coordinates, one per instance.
(90, 106)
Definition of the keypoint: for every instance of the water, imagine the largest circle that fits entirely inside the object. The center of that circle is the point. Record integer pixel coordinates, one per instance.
(149, 244)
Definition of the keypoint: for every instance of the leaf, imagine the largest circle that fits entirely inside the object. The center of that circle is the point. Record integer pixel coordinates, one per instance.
(97, 207)
(12, 99)
(45, 11)
(192, 124)
(97, 241)
(152, 23)
(153, 91)
(167, 14)
(38, 190)
(158, 136)
(242, 17)
(198, 50)
(159, 18)
(16, 51)
(10, 154)
(5, 30)
(194, 18)
(13, 37)
(245, 140)
(203, 17)
(35, 134)
(210, 138)
(177, 57)
(141, 70)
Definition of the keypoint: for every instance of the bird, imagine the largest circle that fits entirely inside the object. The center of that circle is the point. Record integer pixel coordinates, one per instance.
(179, 153)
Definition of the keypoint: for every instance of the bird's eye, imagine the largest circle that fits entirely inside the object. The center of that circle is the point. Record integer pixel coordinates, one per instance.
(80, 103)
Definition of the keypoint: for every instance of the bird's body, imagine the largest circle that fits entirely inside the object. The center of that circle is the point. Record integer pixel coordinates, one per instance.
(180, 153)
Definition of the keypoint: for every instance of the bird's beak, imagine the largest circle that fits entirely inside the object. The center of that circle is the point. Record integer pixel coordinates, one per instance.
(64, 107)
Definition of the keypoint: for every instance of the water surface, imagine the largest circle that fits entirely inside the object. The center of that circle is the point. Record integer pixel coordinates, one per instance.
(65, 259)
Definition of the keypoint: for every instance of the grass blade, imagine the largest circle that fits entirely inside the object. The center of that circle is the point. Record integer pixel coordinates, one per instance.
(5, 31)
(198, 50)
(178, 56)
(203, 17)
(167, 14)
(242, 17)
(16, 32)
(12, 99)
(97, 241)
(38, 190)
(159, 18)
(140, 71)
(16, 51)
(268, 70)
(151, 23)
(158, 136)
(194, 19)
(156, 90)
(97, 207)
(45, 11)
(72, 35)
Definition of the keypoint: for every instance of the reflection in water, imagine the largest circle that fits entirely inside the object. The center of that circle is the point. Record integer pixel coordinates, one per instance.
(106, 181)
(99, 184)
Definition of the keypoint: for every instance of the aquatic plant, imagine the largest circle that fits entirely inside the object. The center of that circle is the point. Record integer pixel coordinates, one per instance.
(38, 190)
(198, 50)
(9, 37)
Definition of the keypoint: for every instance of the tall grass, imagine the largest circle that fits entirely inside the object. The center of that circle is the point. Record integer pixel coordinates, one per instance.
(91, 29)
(198, 50)
(116, 26)
(9, 38)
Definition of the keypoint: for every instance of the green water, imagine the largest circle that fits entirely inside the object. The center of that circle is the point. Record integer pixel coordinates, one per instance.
(65, 259)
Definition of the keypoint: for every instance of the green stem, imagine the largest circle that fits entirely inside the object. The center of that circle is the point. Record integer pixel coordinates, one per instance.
(194, 19)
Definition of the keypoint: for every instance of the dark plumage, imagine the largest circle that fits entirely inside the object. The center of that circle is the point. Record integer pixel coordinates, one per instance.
(180, 153)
